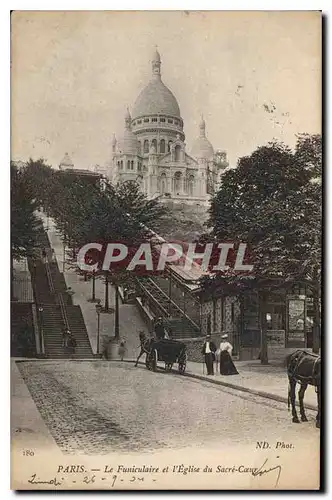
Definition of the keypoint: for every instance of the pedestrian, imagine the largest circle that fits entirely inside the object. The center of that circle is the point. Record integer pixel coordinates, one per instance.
(65, 337)
(70, 294)
(72, 345)
(122, 349)
(226, 364)
(208, 351)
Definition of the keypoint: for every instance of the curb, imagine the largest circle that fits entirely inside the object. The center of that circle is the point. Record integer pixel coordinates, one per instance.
(236, 387)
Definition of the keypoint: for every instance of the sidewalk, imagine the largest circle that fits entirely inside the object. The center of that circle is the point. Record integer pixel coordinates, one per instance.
(26, 423)
(264, 380)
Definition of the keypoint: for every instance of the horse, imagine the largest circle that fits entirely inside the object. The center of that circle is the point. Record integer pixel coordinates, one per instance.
(144, 345)
(304, 368)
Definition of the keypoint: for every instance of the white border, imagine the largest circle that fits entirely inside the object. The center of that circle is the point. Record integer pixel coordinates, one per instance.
(5, 157)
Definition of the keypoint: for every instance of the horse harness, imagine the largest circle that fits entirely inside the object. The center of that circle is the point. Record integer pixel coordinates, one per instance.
(295, 363)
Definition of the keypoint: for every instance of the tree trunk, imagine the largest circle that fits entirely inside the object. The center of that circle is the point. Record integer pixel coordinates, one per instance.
(93, 286)
(262, 320)
(106, 293)
(12, 277)
(116, 318)
(316, 304)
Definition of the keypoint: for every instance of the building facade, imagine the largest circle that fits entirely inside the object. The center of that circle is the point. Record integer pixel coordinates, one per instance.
(152, 149)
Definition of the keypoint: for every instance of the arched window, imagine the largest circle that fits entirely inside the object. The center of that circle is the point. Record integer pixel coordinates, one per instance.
(118, 164)
(121, 165)
(177, 182)
(169, 145)
(132, 164)
(128, 165)
(146, 146)
(191, 184)
(154, 144)
(139, 145)
(177, 153)
(163, 184)
(139, 166)
(162, 146)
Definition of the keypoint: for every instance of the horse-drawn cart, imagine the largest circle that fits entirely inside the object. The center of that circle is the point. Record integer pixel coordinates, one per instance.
(169, 351)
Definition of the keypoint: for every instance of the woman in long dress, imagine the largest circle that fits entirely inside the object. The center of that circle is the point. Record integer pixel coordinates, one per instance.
(226, 364)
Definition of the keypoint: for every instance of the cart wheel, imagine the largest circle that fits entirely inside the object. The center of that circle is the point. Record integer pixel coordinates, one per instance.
(149, 360)
(183, 364)
(154, 357)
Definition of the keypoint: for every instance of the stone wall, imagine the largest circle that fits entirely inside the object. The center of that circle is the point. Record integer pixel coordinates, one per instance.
(194, 347)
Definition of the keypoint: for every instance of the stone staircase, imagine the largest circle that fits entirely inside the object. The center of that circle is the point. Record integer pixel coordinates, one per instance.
(52, 324)
(55, 309)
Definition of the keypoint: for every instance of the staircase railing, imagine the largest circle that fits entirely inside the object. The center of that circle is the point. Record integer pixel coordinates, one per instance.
(146, 291)
(59, 296)
(174, 304)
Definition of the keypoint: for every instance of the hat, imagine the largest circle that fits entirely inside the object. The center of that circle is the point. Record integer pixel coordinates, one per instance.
(208, 334)
(224, 336)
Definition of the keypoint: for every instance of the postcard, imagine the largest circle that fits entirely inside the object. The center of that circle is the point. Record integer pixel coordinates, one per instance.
(166, 233)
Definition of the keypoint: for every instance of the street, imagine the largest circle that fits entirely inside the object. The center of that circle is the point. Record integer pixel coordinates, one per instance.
(99, 407)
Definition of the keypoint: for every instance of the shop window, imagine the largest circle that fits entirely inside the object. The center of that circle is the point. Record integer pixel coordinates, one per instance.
(275, 319)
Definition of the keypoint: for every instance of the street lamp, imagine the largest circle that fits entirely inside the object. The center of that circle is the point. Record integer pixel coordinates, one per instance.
(98, 311)
(41, 336)
(64, 256)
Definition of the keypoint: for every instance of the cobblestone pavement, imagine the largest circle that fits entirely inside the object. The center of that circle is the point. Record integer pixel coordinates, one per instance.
(100, 407)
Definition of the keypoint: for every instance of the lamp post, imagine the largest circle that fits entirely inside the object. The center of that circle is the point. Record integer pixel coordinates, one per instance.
(116, 318)
(64, 255)
(98, 311)
(41, 309)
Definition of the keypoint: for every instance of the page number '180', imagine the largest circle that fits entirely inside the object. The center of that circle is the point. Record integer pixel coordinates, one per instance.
(28, 453)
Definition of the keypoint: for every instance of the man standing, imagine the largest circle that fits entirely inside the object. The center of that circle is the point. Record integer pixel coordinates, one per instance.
(208, 351)
(159, 329)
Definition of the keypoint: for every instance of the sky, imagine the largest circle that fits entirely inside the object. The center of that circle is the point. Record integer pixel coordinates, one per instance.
(255, 76)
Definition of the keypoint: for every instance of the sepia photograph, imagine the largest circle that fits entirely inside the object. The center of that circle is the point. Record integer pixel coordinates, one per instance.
(166, 247)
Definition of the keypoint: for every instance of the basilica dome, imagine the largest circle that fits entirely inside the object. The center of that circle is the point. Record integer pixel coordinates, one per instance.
(156, 98)
(202, 147)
